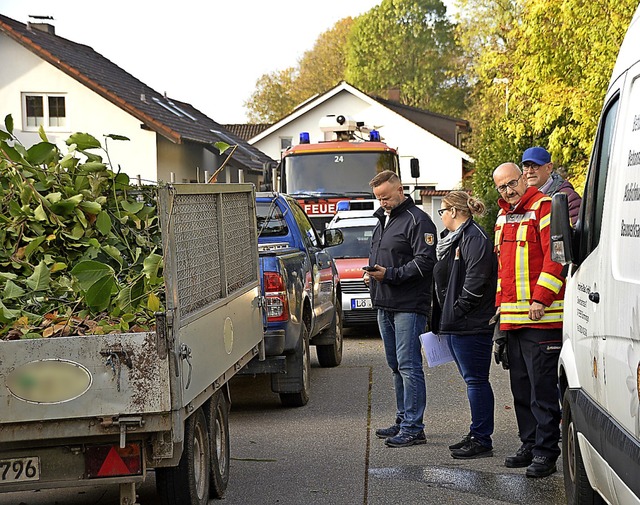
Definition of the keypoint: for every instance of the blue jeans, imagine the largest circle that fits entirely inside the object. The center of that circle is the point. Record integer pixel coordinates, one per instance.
(472, 355)
(400, 333)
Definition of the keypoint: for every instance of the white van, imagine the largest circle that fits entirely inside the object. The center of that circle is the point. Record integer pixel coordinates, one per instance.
(599, 368)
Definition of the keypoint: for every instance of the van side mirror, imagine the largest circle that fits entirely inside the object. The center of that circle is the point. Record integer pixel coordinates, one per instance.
(561, 231)
(415, 168)
(332, 236)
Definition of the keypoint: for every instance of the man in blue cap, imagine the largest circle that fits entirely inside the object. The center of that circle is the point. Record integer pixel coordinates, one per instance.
(537, 169)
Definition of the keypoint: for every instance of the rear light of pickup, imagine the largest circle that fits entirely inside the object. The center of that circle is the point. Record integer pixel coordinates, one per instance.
(276, 297)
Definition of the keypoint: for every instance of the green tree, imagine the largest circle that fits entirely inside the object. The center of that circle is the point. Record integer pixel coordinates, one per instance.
(272, 98)
(409, 45)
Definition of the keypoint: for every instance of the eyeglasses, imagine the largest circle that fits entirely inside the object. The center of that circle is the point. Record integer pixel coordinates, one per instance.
(511, 184)
(442, 211)
(530, 167)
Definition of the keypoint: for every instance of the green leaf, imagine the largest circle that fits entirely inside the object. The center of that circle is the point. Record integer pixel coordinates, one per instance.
(122, 180)
(58, 266)
(221, 146)
(89, 272)
(53, 197)
(154, 303)
(103, 223)
(41, 153)
(12, 290)
(42, 134)
(8, 275)
(132, 207)
(7, 315)
(33, 246)
(4, 135)
(128, 318)
(152, 264)
(98, 295)
(116, 137)
(13, 153)
(39, 280)
(114, 253)
(92, 166)
(8, 123)
(40, 213)
(83, 141)
(91, 207)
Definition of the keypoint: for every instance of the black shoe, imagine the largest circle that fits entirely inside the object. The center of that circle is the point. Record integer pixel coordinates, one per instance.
(541, 467)
(472, 450)
(404, 439)
(462, 443)
(391, 431)
(522, 458)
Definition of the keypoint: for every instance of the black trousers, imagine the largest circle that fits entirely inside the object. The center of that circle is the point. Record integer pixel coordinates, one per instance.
(533, 373)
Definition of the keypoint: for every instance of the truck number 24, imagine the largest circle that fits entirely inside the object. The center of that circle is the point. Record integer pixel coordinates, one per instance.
(338, 159)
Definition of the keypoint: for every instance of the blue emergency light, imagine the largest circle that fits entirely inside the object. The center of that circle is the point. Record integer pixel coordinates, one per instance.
(343, 205)
(374, 136)
(304, 137)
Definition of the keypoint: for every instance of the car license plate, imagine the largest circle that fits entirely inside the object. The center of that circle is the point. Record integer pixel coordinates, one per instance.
(19, 469)
(361, 303)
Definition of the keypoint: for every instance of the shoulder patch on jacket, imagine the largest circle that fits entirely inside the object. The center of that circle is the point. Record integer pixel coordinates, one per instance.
(429, 238)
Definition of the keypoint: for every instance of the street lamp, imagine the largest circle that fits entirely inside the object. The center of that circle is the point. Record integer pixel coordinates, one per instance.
(505, 81)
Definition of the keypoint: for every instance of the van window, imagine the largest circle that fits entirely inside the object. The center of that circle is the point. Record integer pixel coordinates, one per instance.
(593, 201)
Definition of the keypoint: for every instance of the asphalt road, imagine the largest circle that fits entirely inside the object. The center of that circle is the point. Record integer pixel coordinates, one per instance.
(327, 453)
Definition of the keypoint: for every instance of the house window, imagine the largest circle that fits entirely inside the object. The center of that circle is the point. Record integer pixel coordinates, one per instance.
(50, 111)
(285, 143)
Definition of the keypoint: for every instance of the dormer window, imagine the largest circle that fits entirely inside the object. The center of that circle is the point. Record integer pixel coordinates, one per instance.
(48, 110)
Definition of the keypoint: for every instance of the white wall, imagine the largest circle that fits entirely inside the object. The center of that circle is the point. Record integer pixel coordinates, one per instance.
(440, 162)
(23, 71)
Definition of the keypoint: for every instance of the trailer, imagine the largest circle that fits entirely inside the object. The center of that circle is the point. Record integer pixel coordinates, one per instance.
(98, 409)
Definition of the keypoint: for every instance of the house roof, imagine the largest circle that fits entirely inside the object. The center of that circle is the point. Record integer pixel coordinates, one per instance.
(177, 121)
(248, 130)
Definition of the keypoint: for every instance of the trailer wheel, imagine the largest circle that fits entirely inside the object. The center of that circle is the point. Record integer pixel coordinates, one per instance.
(219, 434)
(299, 367)
(331, 355)
(576, 483)
(188, 483)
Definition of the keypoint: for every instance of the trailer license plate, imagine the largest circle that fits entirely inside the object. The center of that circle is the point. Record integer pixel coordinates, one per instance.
(361, 303)
(19, 469)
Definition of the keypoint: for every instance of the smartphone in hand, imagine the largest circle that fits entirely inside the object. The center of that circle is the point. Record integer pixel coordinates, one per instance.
(368, 268)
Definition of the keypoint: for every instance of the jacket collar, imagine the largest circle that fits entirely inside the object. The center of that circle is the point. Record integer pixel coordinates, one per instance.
(529, 195)
(408, 202)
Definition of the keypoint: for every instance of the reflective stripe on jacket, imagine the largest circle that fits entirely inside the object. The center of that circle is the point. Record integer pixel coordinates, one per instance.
(526, 272)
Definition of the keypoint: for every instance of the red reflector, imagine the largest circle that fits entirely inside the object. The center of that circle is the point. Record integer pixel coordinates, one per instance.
(113, 461)
(273, 282)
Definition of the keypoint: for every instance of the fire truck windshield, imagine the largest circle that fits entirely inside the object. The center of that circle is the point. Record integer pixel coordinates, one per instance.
(336, 173)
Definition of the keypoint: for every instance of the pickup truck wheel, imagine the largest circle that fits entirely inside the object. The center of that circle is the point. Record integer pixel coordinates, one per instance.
(299, 366)
(188, 483)
(219, 434)
(331, 355)
(576, 483)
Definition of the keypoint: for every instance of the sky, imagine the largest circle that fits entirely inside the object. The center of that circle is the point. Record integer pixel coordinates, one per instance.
(208, 53)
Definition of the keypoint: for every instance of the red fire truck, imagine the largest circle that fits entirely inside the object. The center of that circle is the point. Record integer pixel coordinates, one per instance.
(321, 174)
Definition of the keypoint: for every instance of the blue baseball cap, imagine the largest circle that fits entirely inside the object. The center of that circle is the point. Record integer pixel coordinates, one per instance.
(538, 155)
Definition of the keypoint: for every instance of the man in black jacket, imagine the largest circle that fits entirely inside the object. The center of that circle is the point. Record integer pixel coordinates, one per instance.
(402, 255)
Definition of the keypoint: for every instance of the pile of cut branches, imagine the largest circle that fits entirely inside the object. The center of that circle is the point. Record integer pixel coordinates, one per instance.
(80, 247)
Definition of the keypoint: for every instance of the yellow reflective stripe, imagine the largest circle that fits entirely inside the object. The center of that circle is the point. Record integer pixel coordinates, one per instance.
(521, 236)
(536, 205)
(523, 290)
(545, 221)
(497, 236)
(550, 282)
(524, 318)
(523, 306)
(499, 285)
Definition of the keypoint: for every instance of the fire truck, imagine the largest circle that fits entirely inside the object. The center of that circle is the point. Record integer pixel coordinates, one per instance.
(319, 175)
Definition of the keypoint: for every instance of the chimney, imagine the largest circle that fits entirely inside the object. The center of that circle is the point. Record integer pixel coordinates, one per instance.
(393, 94)
(40, 25)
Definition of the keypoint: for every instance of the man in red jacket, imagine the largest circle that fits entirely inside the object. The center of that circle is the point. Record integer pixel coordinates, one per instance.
(530, 300)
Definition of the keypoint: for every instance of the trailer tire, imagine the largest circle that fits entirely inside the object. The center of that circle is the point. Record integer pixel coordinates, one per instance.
(330, 355)
(578, 490)
(219, 435)
(299, 367)
(188, 483)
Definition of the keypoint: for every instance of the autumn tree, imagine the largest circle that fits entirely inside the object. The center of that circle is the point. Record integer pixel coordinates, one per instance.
(319, 69)
(409, 45)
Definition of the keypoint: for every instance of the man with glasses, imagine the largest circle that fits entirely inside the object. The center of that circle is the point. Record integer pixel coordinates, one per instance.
(530, 300)
(538, 171)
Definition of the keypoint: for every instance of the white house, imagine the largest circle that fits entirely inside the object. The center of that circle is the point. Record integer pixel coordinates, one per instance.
(432, 138)
(67, 87)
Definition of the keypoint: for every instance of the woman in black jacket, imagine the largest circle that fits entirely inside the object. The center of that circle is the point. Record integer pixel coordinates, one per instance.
(465, 279)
